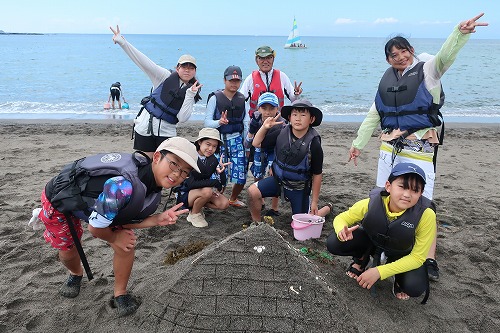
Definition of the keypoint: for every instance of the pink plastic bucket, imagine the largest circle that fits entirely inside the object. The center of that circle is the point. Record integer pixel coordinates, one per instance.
(107, 106)
(306, 226)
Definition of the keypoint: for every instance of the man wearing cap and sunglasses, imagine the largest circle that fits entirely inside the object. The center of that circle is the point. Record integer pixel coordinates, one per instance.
(226, 112)
(267, 79)
(172, 98)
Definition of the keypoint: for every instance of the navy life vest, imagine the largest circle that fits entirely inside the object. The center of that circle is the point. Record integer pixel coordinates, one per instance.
(65, 191)
(235, 111)
(292, 165)
(405, 103)
(396, 237)
(166, 100)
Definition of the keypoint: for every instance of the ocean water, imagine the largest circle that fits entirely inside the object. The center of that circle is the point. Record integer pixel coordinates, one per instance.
(67, 76)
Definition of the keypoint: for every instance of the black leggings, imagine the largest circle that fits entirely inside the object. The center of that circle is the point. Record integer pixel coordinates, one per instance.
(413, 283)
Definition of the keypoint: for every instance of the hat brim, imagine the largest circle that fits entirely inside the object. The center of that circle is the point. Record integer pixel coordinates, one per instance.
(186, 158)
(230, 77)
(209, 137)
(272, 104)
(187, 62)
(315, 112)
(405, 172)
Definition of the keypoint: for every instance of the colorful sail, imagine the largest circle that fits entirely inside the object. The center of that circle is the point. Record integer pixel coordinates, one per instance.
(294, 41)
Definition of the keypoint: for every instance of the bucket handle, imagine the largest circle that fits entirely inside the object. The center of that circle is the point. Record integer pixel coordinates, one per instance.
(306, 225)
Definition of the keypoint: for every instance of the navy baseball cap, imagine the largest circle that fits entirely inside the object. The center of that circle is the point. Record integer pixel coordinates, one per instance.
(233, 72)
(405, 168)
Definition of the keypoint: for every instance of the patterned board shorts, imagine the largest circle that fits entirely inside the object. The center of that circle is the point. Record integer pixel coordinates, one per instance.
(57, 231)
(262, 162)
(237, 170)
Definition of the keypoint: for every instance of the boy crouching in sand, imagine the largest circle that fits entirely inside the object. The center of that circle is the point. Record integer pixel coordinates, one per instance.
(115, 193)
(396, 220)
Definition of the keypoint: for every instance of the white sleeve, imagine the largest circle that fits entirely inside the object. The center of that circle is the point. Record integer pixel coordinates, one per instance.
(98, 221)
(156, 74)
(288, 87)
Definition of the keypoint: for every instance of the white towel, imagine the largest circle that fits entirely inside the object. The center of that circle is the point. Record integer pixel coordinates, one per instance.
(35, 222)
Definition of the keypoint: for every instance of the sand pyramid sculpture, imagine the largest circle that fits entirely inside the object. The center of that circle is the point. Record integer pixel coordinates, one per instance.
(252, 281)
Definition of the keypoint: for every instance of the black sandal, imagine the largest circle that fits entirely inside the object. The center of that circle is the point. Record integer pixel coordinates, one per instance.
(396, 289)
(355, 271)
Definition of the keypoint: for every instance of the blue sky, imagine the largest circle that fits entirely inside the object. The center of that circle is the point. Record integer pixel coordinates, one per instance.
(364, 18)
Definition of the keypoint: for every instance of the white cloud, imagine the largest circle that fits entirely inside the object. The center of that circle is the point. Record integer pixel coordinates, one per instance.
(344, 21)
(386, 20)
(434, 22)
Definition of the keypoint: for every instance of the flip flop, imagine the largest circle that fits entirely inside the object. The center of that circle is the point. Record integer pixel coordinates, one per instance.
(396, 289)
(237, 203)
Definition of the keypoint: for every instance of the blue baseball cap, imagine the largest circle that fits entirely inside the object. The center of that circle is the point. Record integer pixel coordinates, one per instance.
(405, 168)
(268, 98)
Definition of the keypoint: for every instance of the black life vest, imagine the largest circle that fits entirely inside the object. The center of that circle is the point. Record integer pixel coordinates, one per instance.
(235, 111)
(396, 237)
(292, 165)
(166, 100)
(405, 103)
(66, 190)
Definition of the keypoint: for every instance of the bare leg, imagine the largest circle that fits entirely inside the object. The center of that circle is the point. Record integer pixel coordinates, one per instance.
(237, 188)
(255, 201)
(71, 260)
(324, 211)
(275, 203)
(122, 268)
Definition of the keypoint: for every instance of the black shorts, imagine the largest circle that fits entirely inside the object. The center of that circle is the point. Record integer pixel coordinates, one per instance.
(147, 143)
(115, 94)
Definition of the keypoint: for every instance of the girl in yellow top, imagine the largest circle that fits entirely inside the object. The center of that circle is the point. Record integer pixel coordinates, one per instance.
(396, 219)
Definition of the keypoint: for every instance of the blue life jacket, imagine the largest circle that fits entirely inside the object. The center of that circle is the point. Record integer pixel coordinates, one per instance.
(166, 100)
(66, 190)
(292, 165)
(396, 237)
(405, 103)
(235, 111)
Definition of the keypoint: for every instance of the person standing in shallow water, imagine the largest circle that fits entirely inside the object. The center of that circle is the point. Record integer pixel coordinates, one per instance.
(412, 87)
(172, 99)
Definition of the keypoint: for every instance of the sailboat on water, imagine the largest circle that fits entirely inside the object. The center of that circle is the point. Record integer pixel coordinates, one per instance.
(293, 41)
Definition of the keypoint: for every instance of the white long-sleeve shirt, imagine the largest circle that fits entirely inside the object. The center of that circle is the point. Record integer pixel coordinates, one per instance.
(157, 75)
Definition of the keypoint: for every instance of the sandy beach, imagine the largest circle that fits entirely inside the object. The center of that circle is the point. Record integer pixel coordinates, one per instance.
(466, 299)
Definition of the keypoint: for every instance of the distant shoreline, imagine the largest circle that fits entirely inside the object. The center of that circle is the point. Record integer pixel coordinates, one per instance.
(19, 33)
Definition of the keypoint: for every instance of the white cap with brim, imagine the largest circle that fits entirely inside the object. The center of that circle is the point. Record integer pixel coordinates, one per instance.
(183, 148)
(187, 58)
(209, 133)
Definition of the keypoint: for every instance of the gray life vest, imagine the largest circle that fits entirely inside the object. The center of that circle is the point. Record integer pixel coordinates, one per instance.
(235, 111)
(65, 190)
(396, 237)
(166, 100)
(405, 103)
(292, 165)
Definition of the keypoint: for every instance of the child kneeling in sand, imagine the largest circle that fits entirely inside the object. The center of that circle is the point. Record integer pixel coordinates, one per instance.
(268, 107)
(198, 191)
(115, 193)
(397, 220)
(298, 164)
